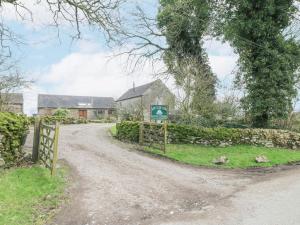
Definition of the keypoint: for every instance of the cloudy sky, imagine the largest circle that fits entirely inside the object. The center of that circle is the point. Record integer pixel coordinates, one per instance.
(60, 65)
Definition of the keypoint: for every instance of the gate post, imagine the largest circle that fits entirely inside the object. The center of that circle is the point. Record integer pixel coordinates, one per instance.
(165, 136)
(36, 139)
(141, 137)
(55, 149)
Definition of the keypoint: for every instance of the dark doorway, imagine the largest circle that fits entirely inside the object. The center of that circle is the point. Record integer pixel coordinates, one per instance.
(83, 113)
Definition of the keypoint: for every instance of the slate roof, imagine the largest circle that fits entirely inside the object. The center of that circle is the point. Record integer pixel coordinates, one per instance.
(70, 102)
(136, 92)
(13, 98)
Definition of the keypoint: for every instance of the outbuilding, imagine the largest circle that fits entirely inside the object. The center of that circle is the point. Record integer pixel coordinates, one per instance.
(86, 107)
(137, 101)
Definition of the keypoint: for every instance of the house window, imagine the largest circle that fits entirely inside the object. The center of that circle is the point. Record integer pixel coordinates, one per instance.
(100, 111)
(110, 111)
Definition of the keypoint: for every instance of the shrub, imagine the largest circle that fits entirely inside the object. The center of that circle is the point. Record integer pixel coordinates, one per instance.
(128, 131)
(13, 131)
(62, 113)
(182, 134)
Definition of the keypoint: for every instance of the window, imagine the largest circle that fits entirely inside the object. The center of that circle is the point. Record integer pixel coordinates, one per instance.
(100, 111)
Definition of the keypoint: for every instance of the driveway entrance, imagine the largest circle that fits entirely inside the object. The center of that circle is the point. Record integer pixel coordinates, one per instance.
(116, 185)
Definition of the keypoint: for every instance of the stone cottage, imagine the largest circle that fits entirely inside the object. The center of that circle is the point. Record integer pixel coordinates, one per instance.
(79, 106)
(137, 101)
(12, 102)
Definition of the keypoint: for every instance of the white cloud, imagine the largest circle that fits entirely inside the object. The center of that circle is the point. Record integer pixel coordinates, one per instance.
(33, 14)
(91, 74)
(223, 66)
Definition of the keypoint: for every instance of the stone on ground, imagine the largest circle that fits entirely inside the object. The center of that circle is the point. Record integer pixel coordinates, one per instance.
(261, 159)
(2, 162)
(221, 160)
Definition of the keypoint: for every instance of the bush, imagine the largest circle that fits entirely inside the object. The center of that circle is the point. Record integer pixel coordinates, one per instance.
(62, 113)
(195, 120)
(128, 131)
(182, 134)
(13, 131)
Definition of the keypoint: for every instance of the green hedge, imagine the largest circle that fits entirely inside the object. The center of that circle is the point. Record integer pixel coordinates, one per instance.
(13, 131)
(182, 134)
(128, 131)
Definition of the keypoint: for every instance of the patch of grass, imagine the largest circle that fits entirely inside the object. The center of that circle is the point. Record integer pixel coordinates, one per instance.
(113, 130)
(240, 156)
(27, 195)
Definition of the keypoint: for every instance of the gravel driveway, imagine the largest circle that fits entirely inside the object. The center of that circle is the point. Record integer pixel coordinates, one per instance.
(114, 185)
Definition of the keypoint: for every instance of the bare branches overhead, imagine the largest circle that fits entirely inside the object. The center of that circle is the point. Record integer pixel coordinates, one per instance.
(102, 13)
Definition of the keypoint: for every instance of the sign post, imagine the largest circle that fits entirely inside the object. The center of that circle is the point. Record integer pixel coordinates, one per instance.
(159, 112)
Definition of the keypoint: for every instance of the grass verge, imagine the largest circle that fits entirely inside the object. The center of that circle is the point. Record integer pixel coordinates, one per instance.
(113, 130)
(239, 156)
(28, 195)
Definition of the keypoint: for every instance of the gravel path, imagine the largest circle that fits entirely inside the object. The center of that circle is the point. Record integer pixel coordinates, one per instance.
(117, 186)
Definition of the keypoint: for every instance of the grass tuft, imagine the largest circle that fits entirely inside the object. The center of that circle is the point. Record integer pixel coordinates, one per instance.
(113, 130)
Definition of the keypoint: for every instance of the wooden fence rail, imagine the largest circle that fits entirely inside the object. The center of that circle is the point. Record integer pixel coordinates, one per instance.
(153, 135)
(45, 146)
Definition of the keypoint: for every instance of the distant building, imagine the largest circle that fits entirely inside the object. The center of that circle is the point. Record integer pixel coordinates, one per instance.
(11, 102)
(79, 106)
(138, 100)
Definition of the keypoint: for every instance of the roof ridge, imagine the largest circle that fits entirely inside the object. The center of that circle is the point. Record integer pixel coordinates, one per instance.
(137, 91)
(85, 96)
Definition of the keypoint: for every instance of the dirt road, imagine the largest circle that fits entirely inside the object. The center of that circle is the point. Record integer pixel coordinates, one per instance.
(118, 186)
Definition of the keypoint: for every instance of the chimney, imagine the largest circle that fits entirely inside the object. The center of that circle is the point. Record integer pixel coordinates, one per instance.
(133, 86)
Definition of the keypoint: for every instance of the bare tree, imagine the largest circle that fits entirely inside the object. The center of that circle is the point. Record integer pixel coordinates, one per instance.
(102, 13)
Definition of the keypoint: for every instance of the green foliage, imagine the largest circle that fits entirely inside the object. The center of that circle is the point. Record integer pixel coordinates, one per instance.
(128, 131)
(184, 23)
(196, 120)
(240, 156)
(13, 131)
(29, 194)
(182, 134)
(61, 113)
(269, 55)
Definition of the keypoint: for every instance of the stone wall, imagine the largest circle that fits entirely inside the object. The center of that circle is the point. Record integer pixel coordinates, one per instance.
(14, 108)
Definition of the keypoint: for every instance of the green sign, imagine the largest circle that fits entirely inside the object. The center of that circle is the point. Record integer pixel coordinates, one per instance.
(159, 112)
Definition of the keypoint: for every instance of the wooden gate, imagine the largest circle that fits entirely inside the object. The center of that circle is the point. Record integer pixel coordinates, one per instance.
(45, 148)
(153, 135)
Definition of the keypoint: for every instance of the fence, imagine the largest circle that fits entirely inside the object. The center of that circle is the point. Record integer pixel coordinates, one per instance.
(153, 135)
(45, 148)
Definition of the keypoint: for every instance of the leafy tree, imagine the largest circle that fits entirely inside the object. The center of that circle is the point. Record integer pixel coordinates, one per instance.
(184, 24)
(269, 56)
(62, 113)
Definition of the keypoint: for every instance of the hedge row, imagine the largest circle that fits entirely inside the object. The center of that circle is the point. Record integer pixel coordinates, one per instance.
(13, 131)
(128, 131)
(182, 134)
